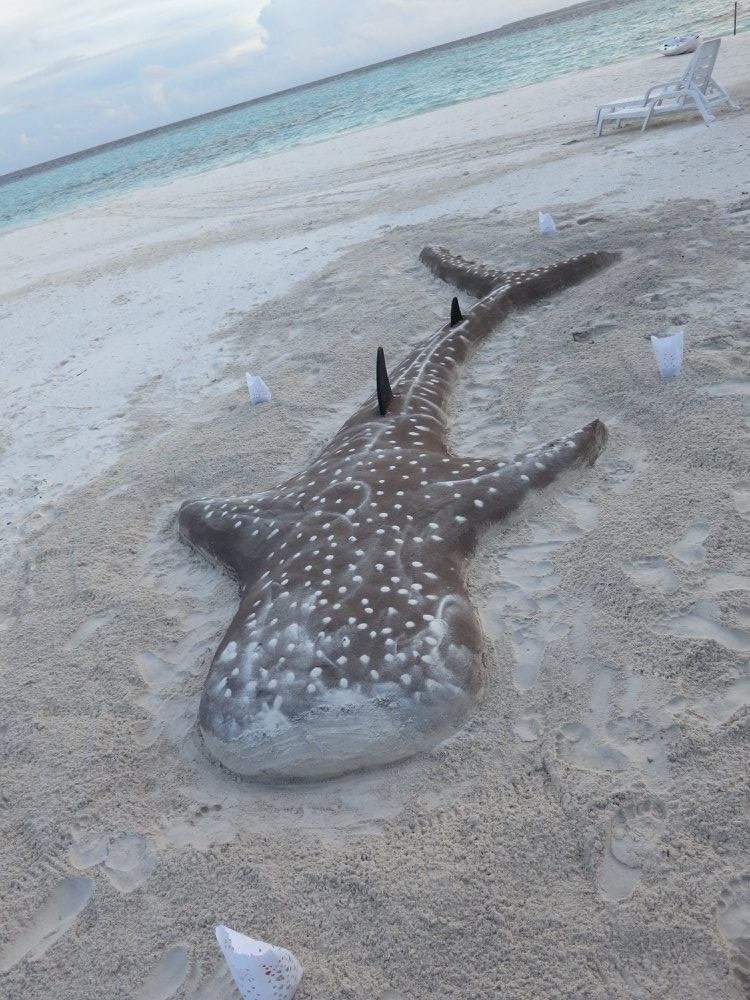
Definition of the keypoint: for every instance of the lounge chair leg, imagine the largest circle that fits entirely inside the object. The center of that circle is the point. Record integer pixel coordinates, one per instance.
(700, 104)
(733, 106)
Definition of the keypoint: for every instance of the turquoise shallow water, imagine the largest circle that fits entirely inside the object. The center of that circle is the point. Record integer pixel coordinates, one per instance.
(462, 71)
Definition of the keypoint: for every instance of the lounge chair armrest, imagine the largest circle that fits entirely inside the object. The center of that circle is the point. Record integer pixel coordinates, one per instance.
(632, 102)
(673, 86)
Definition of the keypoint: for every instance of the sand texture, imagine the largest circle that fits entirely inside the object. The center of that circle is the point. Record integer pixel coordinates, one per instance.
(586, 834)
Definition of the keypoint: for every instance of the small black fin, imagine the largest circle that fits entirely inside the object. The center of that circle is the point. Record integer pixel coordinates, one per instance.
(385, 395)
(456, 314)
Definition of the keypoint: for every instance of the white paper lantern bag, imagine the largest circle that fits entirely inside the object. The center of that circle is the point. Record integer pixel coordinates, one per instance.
(261, 971)
(257, 388)
(668, 351)
(547, 225)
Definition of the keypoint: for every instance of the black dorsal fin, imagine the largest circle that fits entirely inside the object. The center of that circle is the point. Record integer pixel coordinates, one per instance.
(385, 395)
(456, 314)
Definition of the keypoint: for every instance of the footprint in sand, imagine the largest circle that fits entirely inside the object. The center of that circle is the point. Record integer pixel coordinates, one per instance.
(589, 333)
(703, 621)
(580, 746)
(733, 917)
(529, 728)
(714, 709)
(742, 500)
(218, 985)
(524, 609)
(621, 730)
(127, 860)
(732, 387)
(651, 573)
(87, 629)
(167, 976)
(634, 833)
(621, 470)
(50, 922)
(724, 583)
(690, 549)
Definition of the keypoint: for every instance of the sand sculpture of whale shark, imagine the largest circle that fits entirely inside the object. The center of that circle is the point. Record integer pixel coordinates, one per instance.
(354, 643)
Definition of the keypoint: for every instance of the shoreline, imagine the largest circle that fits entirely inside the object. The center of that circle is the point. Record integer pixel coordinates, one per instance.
(514, 27)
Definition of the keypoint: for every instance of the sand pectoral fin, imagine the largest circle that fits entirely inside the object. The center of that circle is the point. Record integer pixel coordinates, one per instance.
(489, 490)
(547, 461)
(234, 531)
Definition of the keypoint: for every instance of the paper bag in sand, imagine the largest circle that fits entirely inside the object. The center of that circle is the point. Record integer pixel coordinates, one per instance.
(547, 225)
(259, 391)
(261, 971)
(668, 351)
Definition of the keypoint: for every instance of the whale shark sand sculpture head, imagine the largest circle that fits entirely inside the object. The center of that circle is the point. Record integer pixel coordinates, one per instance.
(354, 643)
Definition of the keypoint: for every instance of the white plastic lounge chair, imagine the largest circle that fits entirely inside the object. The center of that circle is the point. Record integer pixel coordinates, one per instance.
(696, 88)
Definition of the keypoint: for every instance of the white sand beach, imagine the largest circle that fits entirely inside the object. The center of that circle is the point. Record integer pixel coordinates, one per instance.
(586, 835)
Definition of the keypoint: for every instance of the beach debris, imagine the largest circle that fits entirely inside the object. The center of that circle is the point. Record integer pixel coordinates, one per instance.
(259, 391)
(261, 971)
(679, 44)
(547, 225)
(668, 351)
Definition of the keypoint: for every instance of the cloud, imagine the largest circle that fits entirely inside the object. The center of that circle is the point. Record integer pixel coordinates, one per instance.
(251, 40)
(154, 87)
(70, 65)
(249, 47)
(107, 68)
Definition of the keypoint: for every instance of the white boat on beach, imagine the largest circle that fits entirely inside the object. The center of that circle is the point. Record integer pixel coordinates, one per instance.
(679, 44)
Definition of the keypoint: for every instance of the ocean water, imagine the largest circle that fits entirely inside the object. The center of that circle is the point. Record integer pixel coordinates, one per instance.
(472, 68)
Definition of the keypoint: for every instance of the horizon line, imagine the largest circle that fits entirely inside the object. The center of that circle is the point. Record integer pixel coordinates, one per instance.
(511, 27)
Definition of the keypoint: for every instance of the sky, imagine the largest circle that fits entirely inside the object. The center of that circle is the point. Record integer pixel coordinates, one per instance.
(76, 73)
